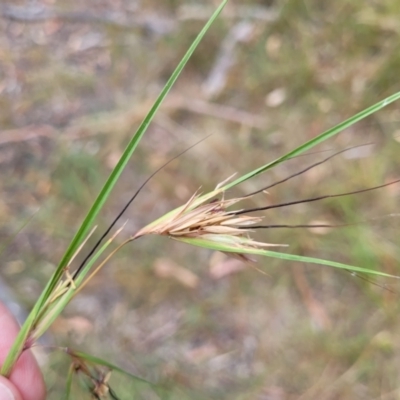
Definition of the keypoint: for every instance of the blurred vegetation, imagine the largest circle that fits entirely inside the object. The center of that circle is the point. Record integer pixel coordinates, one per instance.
(75, 80)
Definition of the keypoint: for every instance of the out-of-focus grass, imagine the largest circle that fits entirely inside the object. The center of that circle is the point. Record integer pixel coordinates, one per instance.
(299, 332)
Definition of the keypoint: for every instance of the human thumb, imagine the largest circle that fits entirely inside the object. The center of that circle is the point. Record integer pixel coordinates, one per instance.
(8, 391)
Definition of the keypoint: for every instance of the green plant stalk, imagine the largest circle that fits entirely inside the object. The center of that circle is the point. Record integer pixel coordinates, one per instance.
(59, 304)
(23, 334)
(47, 319)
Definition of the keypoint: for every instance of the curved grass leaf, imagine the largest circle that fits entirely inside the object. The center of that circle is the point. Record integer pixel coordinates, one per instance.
(317, 140)
(209, 244)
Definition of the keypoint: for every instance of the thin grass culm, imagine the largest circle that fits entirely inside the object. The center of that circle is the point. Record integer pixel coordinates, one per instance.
(211, 220)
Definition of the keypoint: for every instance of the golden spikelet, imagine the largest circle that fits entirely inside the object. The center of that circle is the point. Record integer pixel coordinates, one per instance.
(201, 218)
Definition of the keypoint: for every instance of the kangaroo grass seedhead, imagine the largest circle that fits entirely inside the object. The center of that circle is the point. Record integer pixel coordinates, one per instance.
(206, 219)
(210, 220)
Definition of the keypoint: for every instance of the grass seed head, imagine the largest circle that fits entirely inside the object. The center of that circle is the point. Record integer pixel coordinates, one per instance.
(201, 218)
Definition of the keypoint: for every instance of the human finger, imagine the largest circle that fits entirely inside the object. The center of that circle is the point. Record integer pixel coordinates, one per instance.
(26, 375)
(8, 391)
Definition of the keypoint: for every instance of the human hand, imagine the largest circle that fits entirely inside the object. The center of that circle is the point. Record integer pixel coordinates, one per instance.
(25, 381)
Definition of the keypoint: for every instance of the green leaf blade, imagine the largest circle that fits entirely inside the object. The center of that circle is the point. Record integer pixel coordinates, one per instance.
(317, 140)
(208, 244)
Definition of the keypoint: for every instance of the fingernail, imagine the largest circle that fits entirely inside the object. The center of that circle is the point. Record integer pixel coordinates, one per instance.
(5, 393)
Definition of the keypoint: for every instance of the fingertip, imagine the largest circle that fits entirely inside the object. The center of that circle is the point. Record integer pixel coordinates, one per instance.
(8, 391)
(26, 376)
(8, 332)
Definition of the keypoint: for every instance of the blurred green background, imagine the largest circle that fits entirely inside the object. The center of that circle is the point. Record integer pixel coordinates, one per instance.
(77, 77)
